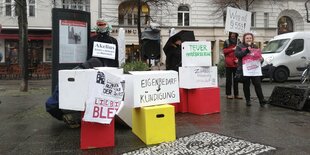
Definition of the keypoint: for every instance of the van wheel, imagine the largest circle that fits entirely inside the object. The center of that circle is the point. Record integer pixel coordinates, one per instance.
(280, 74)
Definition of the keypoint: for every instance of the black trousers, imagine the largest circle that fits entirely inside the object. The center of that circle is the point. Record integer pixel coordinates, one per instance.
(256, 80)
(230, 73)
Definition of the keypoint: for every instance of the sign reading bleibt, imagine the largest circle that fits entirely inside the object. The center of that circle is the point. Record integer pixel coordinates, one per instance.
(196, 53)
(153, 88)
(237, 20)
(105, 98)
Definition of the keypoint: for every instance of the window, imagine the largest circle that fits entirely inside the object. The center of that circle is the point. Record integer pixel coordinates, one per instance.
(48, 55)
(31, 8)
(183, 15)
(285, 25)
(253, 19)
(266, 20)
(296, 46)
(83, 5)
(11, 51)
(9, 7)
(128, 13)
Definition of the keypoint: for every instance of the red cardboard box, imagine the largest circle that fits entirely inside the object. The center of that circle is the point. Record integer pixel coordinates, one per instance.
(183, 105)
(96, 135)
(203, 101)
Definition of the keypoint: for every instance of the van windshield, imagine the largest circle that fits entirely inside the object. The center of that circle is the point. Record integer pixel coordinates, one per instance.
(275, 46)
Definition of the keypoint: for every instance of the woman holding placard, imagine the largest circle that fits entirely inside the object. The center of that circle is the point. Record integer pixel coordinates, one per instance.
(249, 62)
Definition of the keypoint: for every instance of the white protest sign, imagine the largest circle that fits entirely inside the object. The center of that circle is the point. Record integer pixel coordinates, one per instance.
(237, 20)
(105, 98)
(196, 53)
(153, 88)
(198, 77)
(252, 68)
(104, 50)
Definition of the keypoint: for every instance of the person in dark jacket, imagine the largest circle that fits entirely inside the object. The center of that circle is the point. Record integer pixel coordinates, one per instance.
(246, 49)
(103, 36)
(173, 54)
(231, 65)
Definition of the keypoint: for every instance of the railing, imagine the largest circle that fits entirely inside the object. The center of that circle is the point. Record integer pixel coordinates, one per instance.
(13, 72)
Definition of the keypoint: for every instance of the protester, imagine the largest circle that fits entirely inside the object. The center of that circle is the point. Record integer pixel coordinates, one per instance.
(231, 65)
(249, 59)
(173, 54)
(71, 118)
(103, 36)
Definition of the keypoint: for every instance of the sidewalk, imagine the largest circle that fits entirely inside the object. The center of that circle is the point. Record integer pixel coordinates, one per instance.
(27, 129)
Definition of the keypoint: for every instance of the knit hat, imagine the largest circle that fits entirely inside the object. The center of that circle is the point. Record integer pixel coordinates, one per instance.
(102, 26)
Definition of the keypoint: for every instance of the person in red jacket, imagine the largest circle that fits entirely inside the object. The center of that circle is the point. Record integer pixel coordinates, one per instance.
(231, 65)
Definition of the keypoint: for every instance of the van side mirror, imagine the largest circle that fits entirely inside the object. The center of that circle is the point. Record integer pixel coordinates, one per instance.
(303, 57)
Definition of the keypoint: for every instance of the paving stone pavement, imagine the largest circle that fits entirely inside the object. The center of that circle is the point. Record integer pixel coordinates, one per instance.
(27, 129)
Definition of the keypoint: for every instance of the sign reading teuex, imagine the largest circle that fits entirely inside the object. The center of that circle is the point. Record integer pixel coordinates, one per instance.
(104, 50)
(105, 97)
(198, 77)
(237, 20)
(152, 88)
(196, 53)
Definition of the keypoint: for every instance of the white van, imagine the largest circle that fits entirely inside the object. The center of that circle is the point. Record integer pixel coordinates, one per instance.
(284, 53)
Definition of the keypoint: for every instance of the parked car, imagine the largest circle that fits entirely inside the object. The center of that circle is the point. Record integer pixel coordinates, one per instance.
(284, 54)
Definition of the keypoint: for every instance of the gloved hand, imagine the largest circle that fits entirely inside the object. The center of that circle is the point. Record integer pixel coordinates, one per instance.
(247, 51)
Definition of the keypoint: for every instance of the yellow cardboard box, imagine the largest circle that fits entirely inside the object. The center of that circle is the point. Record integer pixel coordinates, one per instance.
(154, 124)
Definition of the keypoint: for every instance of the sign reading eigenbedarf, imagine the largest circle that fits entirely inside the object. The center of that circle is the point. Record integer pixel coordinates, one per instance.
(196, 53)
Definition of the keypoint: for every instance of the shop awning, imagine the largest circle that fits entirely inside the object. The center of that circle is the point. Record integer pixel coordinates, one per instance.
(30, 36)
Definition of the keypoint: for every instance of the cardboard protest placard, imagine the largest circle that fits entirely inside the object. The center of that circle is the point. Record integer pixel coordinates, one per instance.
(198, 77)
(196, 53)
(251, 63)
(104, 50)
(237, 20)
(105, 98)
(153, 88)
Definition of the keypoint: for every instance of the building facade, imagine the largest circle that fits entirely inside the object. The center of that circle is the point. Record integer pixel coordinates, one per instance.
(269, 18)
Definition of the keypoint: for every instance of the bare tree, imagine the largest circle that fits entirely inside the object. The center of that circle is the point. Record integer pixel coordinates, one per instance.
(139, 4)
(21, 10)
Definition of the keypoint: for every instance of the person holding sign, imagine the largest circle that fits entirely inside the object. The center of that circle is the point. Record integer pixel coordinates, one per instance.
(231, 64)
(173, 54)
(103, 46)
(249, 62)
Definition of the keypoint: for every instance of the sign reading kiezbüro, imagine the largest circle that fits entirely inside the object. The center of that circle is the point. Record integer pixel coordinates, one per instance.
(237, 20)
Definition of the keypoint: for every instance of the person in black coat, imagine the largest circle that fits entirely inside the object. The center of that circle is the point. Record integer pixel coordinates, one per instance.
(173, 54)
(103, 36)
(242, 50)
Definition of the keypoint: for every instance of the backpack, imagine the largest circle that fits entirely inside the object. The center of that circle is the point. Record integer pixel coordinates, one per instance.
(52, 105)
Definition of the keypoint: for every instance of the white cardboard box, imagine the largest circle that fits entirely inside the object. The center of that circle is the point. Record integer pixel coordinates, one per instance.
(74, 86)
(198, 77)
(140, 87)
(196, 53)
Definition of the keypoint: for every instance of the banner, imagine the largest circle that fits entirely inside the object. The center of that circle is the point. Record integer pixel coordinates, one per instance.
(237, 20)
(105, 99)
(251, 63)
